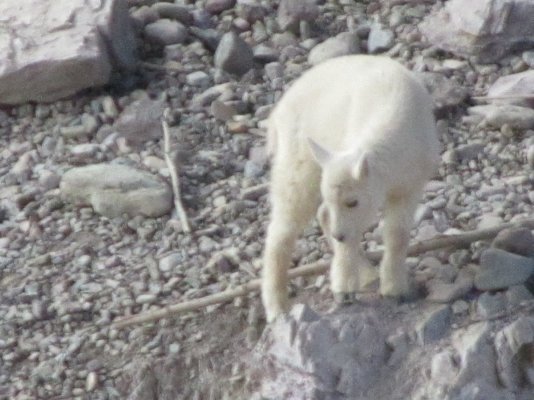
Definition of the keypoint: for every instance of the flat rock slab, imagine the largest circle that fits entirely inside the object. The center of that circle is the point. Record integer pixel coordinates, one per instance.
(113, 190)
(497, 115)
(52, 49)
(500, 270)
(485, 29)
(520, 84)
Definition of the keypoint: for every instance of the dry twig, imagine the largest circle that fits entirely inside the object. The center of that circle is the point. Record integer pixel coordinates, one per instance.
(516, 97)
(174, 173)
(158, 67)
(453, 241)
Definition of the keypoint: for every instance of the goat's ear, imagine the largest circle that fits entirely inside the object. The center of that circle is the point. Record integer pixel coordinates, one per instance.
(361, 169)
(321, 155)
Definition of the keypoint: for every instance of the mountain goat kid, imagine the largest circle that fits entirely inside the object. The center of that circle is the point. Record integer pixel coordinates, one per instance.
(359, 132)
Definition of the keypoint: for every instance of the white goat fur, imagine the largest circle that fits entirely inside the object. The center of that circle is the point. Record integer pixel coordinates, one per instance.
(359, 132)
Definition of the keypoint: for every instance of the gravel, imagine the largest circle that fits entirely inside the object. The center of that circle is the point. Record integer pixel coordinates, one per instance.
(67, 271)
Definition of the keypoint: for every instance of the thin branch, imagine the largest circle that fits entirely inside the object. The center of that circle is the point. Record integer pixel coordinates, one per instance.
(516, 97)
(174, 173)
(158, 67)
(443, 241)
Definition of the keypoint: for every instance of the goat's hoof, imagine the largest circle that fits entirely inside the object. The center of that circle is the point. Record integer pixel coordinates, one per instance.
(408, 296)
(344, 298)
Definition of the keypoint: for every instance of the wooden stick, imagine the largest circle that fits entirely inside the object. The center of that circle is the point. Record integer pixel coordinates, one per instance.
(442, 241)
(174, 173)
(158, 67)
(222, 297)
(516, 97)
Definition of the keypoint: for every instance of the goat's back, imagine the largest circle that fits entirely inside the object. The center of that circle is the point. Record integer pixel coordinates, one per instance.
(357, 101)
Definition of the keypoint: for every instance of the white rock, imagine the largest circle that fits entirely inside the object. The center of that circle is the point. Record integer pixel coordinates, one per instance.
(478, 28)
(198, 78)
(170, 261)
(73, 132)
(443, 369)
(499, 114)
(519, 84)
(85, 150)
(91, 381)
(154, 163)
(116, 189)
(50, 40)
(165, 32)
(109, 106)
(530, 156)
(146, 298)
(489, 221)
(22, 168)
(380, 39)
(341, 45)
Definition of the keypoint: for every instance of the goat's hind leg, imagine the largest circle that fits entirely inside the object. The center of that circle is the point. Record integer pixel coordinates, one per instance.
(294, 200)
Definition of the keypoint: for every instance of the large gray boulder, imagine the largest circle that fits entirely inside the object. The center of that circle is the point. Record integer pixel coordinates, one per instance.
(114, 189)
(53, 48)
(486, 29)
(308, 357)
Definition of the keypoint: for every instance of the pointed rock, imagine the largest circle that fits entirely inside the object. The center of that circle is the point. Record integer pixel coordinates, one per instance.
(233, 54)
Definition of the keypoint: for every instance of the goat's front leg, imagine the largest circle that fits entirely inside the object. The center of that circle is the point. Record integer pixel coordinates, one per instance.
(293, 201)
(398, 217)
(344, 276)
(279, 245)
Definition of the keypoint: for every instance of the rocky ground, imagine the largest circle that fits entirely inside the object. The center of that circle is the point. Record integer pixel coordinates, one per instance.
(72, 260)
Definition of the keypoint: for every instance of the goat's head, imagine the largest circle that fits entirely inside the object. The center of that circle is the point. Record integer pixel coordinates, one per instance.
(349, 204)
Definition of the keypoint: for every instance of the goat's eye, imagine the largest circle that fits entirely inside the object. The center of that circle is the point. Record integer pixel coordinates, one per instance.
(352, 203)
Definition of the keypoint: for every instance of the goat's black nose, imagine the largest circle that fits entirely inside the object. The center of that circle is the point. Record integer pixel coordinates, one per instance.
(339, 237)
